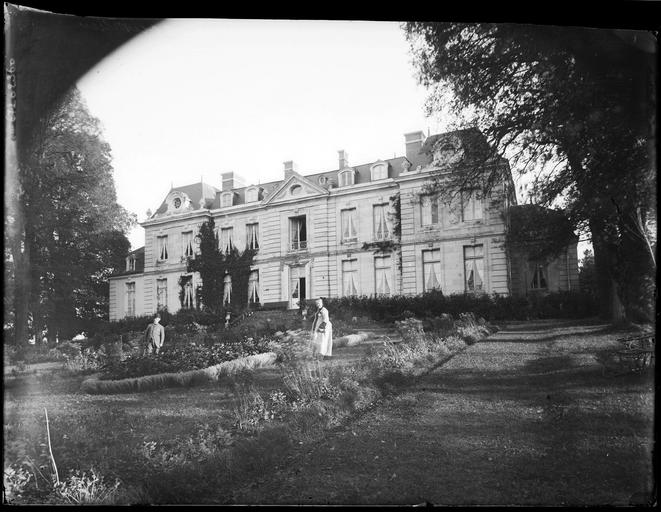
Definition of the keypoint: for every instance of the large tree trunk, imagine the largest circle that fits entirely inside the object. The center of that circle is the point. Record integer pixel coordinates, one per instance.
(610, 304)
(22, 284)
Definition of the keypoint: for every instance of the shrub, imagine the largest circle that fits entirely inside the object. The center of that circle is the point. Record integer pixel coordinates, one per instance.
(182, 357)
(567, 304)
(86, 489)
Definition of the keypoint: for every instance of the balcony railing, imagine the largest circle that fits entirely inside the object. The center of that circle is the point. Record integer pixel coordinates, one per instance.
(299, 245)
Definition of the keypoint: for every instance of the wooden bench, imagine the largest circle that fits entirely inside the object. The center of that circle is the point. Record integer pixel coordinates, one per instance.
(638, 351)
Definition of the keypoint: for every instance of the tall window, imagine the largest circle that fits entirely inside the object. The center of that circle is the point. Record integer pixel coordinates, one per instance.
(349, 277)
(474, 267)
(382, 275)
(130, 263)
(431, 269)
(130, 299)
(187, 240)
(253, 287)
(349, 231)
(161, 294)
(162, 246)
(429, 208)
(381, 231)
(471, 205)
(226, 240)
(252, 236)
(188, 301)
(298, 236)
(347, 178)
(538, 281)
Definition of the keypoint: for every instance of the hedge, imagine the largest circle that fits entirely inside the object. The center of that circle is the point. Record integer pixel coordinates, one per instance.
(490, 307)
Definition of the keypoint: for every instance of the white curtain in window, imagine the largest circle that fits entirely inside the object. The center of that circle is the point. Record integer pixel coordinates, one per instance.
(539, 277)
(349, 277)
(188, 293)
(297, 233)
(188, 244)
(130, 299)
(226, 242)
(227, 289)
(474, 267)
(161, 293)
(253, 287)
(252, 233)
(382, 275)
(162, 247)
(471, 205)
(431, 267)
(380, 222)
(349, 224)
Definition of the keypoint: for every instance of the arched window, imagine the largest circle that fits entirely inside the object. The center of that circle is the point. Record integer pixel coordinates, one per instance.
(295, 190)
(226, 199)
(252, 194)
(379, 171)
(347, 177)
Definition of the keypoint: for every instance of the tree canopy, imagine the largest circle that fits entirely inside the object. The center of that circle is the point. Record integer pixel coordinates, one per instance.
(65, 229)
(574, 106)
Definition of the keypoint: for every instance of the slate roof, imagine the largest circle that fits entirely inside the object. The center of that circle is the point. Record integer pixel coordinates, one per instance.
(195, 192)
(474, 143)
(139, 254)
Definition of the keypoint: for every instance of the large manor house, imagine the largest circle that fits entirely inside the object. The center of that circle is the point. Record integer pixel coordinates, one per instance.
(365, 229)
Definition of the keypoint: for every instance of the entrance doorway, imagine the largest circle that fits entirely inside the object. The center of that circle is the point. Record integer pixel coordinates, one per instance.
(297, 286)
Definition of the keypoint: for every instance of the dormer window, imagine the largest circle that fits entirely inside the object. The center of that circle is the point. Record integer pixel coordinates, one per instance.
(347, 177)
(177, 202)
(130, 263)
(226, 199)
(379, 171)
(252, 194)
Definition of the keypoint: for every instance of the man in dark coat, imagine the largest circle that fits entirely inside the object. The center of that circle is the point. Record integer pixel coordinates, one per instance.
(154, 336)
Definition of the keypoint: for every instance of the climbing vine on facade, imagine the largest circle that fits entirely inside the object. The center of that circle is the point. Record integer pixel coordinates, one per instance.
(213, 266)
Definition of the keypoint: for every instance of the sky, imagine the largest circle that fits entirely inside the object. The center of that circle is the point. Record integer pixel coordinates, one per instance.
(190, 99)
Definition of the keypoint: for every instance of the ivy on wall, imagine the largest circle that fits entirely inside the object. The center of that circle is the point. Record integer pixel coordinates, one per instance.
(212, 265)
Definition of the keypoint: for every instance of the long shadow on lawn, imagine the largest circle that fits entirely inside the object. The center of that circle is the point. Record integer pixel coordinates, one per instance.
(532, 336)
(537, 376)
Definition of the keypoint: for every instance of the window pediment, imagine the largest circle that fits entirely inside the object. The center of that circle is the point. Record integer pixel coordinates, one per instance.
(447, 151)
(177, 202)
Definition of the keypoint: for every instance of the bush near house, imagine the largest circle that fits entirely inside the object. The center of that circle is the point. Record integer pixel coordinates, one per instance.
(574, 304)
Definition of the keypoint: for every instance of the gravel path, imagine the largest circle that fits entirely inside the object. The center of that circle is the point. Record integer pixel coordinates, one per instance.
(526, 417)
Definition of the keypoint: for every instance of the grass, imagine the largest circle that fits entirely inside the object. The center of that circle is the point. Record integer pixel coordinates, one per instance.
(525, 418)
(182, 445)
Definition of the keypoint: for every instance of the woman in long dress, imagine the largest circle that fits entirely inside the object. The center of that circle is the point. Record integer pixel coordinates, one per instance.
(322, 331)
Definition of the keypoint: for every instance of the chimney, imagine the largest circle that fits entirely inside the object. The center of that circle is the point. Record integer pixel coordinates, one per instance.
(230, 181)
(414, 142)
(343, 158)
(290, 167)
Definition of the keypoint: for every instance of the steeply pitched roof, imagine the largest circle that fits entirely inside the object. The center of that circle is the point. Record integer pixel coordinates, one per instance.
(473, 141)
(139, 255)
(195, 192)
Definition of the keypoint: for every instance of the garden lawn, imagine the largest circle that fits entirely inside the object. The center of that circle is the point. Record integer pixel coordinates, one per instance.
(529, 416)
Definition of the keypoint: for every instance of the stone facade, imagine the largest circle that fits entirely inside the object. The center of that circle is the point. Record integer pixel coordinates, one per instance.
(341, 233)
